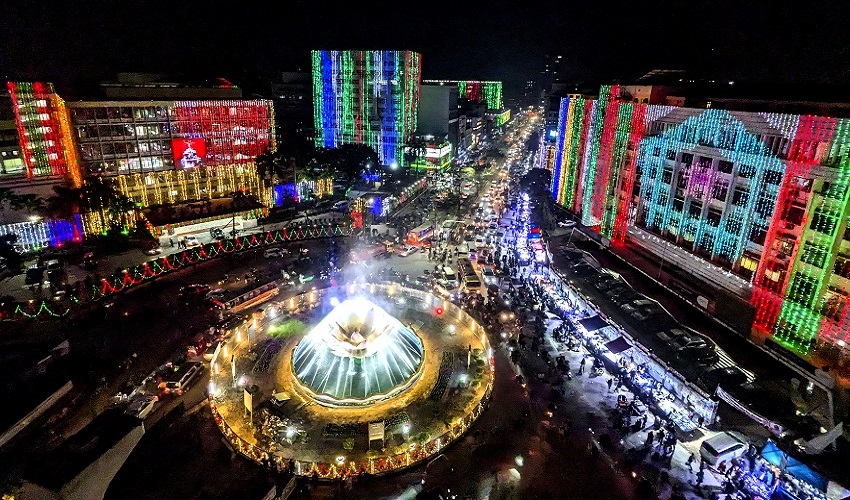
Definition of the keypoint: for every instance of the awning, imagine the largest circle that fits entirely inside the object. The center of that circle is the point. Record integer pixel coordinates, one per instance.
(618, 345)
(593, 323)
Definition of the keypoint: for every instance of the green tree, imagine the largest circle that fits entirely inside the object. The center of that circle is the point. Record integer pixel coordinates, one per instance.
(416, 148)
(32, 203)
(97, 196)
(12, 258)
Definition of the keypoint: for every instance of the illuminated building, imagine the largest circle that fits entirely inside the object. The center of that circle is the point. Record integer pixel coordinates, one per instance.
(125, 137)
(43, 130)
(11, 157)
(437, 156)
(175, 151)
(754, 205)
(438, 113)
(366, 97)
(486, 92)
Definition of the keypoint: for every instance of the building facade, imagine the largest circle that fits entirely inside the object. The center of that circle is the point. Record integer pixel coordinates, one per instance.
(366, 97)
(751, 202)
(163, 152)
(155, 152)
(44, 133)
(293, 100)
(438, 113)
(486, 92)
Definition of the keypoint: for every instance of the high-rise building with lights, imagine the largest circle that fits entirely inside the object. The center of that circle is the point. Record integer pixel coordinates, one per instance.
(156, 152)
(43, 130)
(366, 97)
(752, 205)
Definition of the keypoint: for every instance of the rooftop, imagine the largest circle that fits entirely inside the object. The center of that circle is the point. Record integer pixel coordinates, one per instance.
(79, 451)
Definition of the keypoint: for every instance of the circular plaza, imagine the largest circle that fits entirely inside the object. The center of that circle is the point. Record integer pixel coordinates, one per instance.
(359, 378)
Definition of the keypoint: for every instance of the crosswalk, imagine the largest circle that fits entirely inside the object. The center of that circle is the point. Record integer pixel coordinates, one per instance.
(726, 362)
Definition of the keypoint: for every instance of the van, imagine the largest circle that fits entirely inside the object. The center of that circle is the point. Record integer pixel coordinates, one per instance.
(449, 274)
(723, 447)
(178, 381)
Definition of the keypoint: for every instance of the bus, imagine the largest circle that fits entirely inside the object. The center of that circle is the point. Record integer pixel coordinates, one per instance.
(420, 234)
(464, 268)
(471, 282)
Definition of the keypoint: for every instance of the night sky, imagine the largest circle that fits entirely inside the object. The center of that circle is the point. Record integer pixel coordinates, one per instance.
(770, 41)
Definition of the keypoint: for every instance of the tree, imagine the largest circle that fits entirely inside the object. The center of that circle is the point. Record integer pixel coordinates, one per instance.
(29, 202)
(97, 196)
(416, 148)
(9, 253)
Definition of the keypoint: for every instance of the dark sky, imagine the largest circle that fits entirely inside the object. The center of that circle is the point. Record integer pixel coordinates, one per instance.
(770, 41)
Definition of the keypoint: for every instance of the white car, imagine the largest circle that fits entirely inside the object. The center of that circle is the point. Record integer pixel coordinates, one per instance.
(567, 223)
(141, 407)
(405, 250)
(723, 447)
(192, 241)
(272, 253)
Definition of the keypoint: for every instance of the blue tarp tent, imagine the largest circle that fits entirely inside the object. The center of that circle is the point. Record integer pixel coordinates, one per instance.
(794, 467)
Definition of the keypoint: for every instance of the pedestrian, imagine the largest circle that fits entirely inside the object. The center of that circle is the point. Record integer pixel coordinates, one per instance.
(700, 477)
(610, 383)
(171, 242)
(690, 462)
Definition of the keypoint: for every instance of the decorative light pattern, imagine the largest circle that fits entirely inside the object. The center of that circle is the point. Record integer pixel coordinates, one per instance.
(234, 131)
(485, 92)
(366, 97)
(38, 115)
(764, 195)
(203, 183)
(34, 236)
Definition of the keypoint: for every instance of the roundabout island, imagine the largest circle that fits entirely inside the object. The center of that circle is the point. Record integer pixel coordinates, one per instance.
(365, 378)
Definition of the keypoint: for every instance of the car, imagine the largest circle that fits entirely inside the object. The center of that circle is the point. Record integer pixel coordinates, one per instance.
(645, 313)
(89, 262)
(193, 290)
(636, 304)
(669, 335)
(34, 276)
(723, 448)
(604, 286)
(217, 294)
(626, 297)
(442, 289)
(689, 340)
(272, 253)
(141, 407)
(405, 250)
(192, 241)
(567, 223)
(703, 356)
(153, 249)
(488, 274)
(728, 377)
(216, 233)
(616, 290)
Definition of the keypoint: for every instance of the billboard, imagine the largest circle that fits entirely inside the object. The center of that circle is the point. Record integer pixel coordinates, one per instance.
(188, 153)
